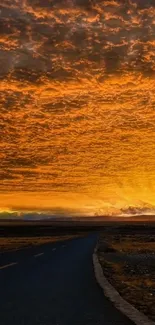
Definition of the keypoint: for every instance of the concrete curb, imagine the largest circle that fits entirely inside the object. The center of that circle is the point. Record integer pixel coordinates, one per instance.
(126, 308)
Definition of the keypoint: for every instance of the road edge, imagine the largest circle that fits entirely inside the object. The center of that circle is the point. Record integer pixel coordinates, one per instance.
(110, 292)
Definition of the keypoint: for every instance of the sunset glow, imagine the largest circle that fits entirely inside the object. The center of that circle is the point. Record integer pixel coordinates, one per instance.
(77, 105)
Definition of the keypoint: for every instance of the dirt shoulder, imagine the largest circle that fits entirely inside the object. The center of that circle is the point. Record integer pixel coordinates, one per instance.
(127, 258)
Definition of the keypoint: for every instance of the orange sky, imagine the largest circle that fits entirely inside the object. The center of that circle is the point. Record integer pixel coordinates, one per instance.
(77, 105)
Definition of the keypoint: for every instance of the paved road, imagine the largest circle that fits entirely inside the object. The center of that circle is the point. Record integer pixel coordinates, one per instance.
(54, 284)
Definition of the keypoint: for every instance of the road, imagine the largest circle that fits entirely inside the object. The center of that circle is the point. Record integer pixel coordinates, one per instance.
(54, 284)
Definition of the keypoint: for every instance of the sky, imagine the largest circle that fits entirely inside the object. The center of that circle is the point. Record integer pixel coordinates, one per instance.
(77, 105)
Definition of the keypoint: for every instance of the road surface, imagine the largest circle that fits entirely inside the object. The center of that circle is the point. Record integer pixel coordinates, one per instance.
(54, 284)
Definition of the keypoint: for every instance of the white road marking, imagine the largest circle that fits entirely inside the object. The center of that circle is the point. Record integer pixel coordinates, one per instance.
(54, 249)
(7, 265)
(38, 254)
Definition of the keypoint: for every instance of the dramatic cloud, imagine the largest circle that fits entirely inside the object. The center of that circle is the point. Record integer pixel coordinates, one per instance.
(77, 103)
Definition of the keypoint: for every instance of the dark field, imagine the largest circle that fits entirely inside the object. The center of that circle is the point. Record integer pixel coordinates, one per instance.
(18, 234)
(127, 256)
(45, 228)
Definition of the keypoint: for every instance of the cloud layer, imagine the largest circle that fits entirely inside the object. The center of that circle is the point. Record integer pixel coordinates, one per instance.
(77, 102)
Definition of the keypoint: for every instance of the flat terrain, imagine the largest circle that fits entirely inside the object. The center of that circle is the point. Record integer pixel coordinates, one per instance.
(15, 235)
(54, 284)
(127, 255)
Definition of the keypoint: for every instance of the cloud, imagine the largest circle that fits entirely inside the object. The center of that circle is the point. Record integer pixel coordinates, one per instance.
(77, 99)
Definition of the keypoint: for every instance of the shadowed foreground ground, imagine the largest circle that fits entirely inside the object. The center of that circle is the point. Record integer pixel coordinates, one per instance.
(54, 284)
(127, 255)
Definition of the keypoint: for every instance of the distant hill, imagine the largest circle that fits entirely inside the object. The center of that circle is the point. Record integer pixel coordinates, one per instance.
(13, 216)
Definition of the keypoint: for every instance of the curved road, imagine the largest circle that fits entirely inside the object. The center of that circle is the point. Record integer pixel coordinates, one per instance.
(54, 284)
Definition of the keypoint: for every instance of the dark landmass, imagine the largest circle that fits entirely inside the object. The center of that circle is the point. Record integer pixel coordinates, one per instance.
(19, 227)
(17, 234)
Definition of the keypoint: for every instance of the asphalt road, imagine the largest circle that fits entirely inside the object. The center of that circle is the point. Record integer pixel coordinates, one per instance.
(54, 284)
